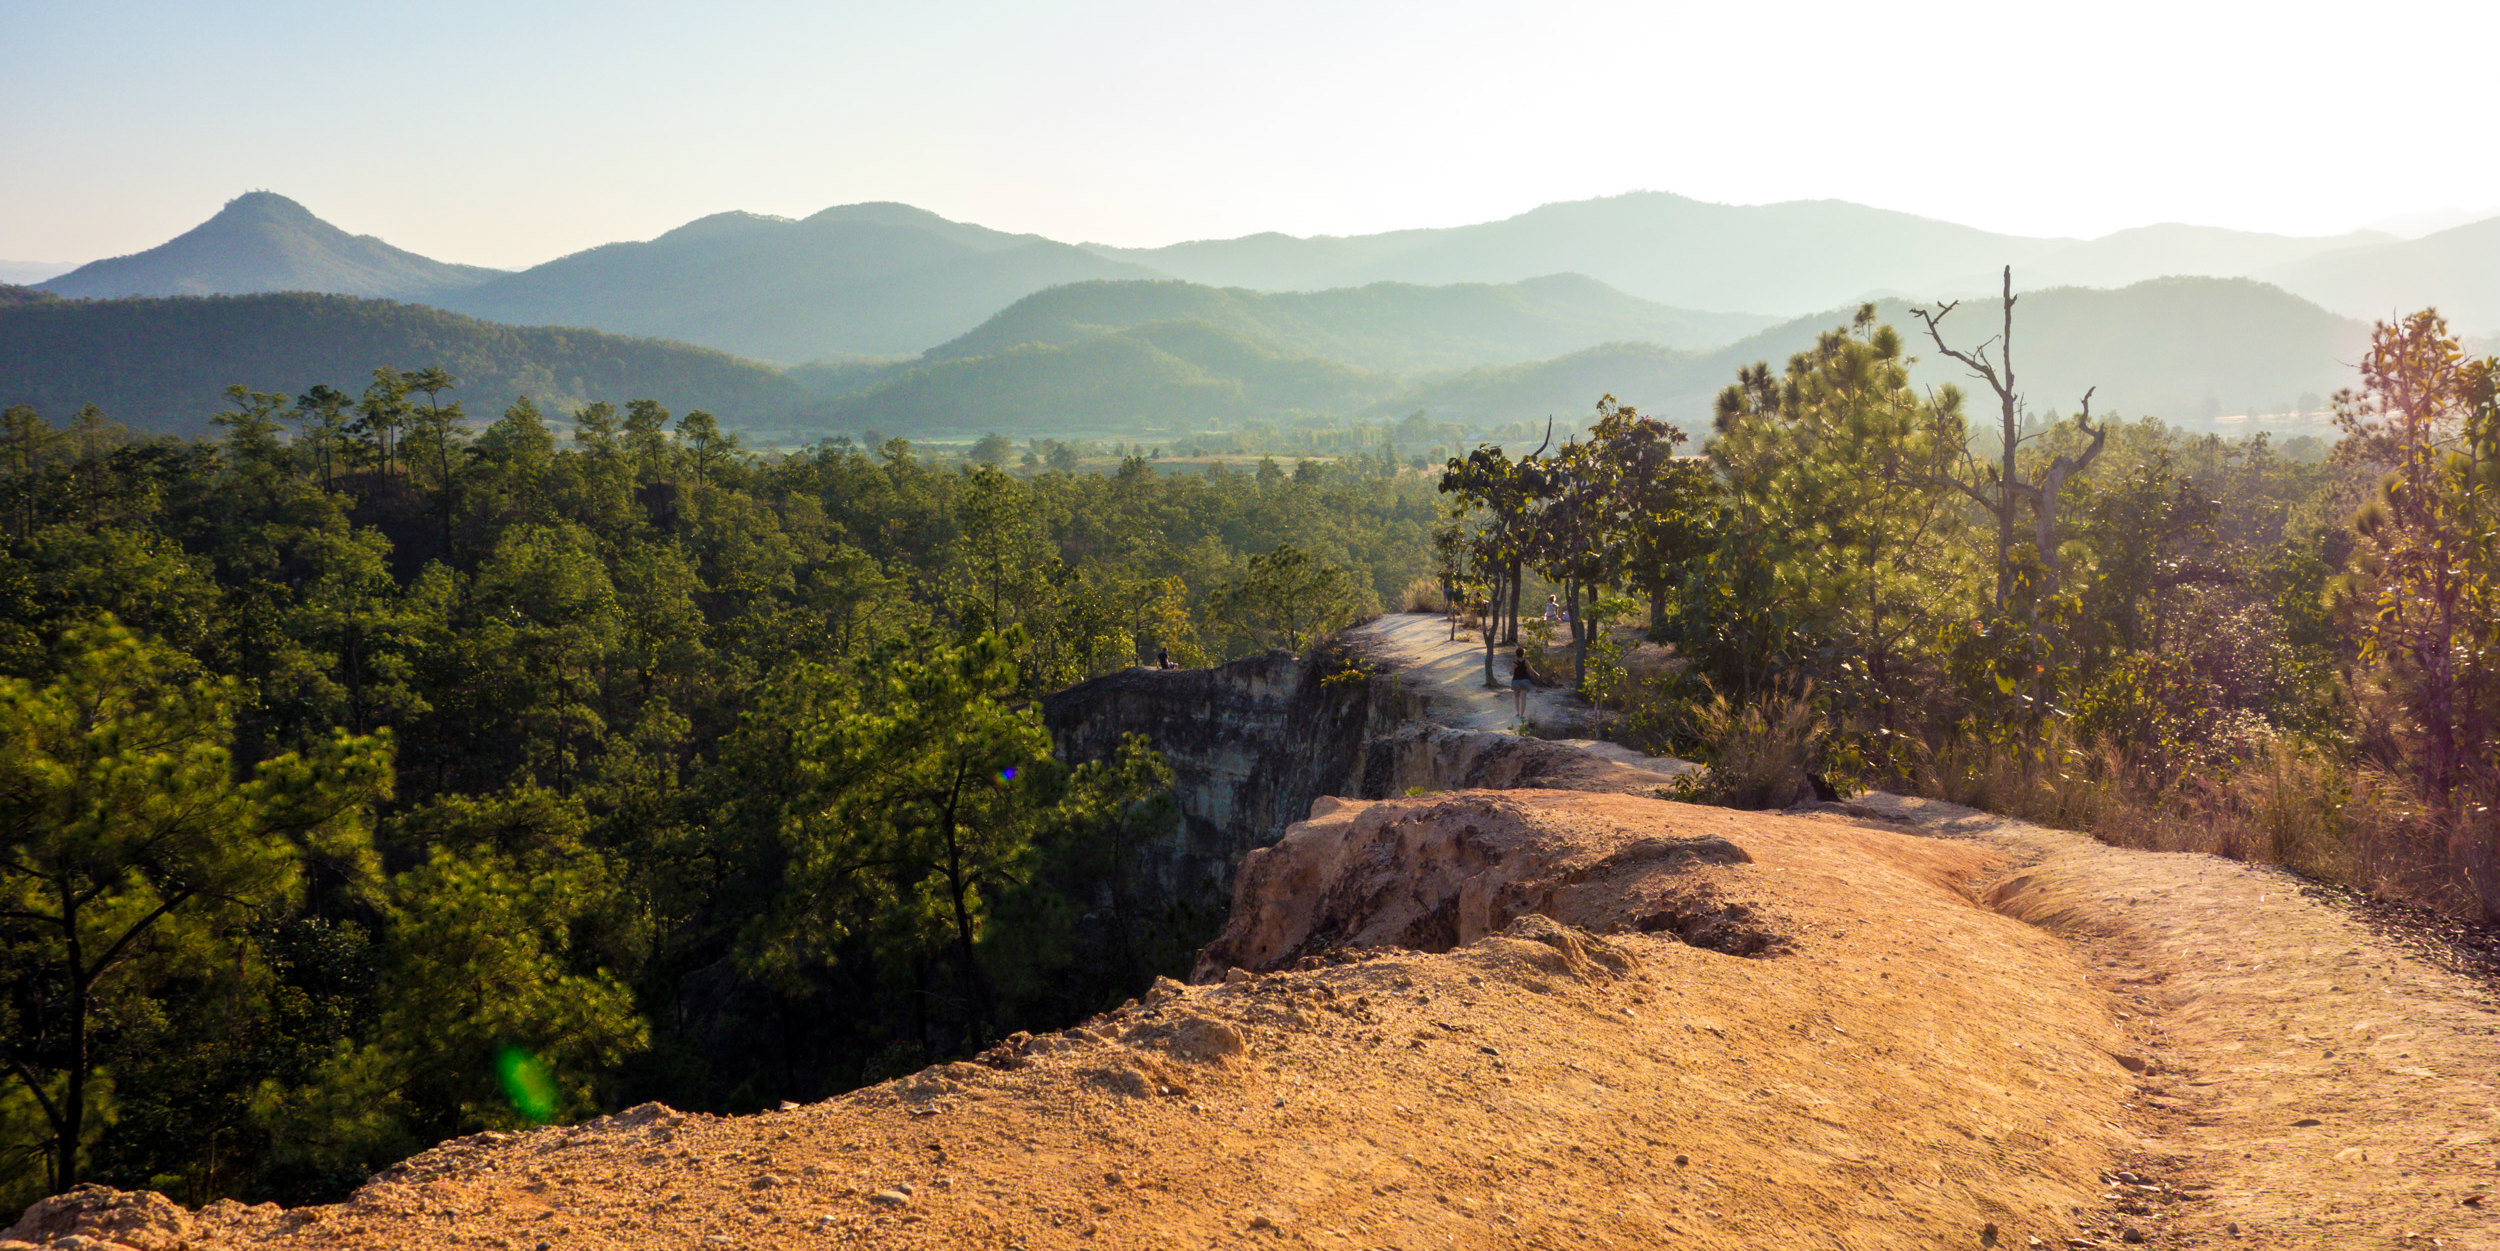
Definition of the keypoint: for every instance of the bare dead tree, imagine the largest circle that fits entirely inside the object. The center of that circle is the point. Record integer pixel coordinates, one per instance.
(2000, 488)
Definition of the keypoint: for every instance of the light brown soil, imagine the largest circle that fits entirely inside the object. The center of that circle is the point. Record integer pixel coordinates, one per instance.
(2323, 1086)
(1911, 1071)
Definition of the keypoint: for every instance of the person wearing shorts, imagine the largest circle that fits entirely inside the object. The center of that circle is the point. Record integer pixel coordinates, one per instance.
(1521, 677)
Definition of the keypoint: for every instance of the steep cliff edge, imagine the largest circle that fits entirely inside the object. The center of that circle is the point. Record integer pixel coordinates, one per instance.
(1253, 743)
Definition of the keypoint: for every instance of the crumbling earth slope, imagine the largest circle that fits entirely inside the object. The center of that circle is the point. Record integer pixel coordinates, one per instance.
(1875, 1062)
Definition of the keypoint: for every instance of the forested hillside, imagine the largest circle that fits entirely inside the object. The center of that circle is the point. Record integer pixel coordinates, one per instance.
(1153, 381)
(486, 778)
(163, 364)
(1388, 327)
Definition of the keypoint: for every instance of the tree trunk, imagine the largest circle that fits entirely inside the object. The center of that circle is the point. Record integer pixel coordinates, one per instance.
(73, 1112)
(1579, 639)
(976, 992)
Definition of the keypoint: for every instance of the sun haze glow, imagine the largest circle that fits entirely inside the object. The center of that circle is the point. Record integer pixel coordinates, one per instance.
(512, 132)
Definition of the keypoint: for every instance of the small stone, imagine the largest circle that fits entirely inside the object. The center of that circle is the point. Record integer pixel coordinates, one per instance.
(1237, 975)
(1683, 1160)
(1261, 1222)
(2232, 1229)
(765, 1182)
(2131, 1234)
(1988, 1234)
(788, 1106)
(546, 1245)
(905, 1187)
(2307, 1122)
(890, 1199)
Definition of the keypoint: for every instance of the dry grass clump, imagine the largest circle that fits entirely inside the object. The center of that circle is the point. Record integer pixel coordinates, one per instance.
(2282, 803)
(1424, 595)
(1764, 752)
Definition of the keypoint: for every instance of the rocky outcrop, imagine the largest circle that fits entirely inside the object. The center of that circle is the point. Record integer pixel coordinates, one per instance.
(1434, 873)
(100, 1218)
(1253, 743)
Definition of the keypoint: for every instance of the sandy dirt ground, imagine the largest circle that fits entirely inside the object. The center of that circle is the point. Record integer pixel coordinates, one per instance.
(1903, 1070)
(2322, 1086)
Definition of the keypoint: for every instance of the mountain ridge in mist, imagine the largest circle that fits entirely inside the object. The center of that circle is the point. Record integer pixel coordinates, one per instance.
(261, 241)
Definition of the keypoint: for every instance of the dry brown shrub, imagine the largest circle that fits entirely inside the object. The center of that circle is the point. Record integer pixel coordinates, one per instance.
(1424, 595)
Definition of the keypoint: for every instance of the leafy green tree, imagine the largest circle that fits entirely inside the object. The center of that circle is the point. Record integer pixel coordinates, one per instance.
(924, 802)
(134, 850)
(1836, 470)
(2423, 594)
(1290, 597)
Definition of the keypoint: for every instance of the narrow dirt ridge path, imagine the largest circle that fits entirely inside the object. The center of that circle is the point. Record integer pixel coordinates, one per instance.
(2304, 1082)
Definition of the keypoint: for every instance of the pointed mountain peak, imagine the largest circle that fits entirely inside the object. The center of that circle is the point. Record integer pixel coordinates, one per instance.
(265, 206)
(263, 241)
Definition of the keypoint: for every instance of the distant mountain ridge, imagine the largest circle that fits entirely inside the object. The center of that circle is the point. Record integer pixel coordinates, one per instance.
(262, 241)
(890, 280)
(2456, 270)
(1781, 259)
(855, 280)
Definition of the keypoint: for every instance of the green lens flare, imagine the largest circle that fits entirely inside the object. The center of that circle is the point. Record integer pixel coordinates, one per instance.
(527, 1083)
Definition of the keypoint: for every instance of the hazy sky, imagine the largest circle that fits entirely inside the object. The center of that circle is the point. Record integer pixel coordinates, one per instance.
(506, 133)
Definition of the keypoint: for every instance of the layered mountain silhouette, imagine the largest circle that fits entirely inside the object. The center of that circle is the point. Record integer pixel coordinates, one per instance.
(1096, 359)
(164, 364)
(1784, 259)
(2187, 350)
(262, 241)
(859, 280)
(2457, 271)
(916, 324)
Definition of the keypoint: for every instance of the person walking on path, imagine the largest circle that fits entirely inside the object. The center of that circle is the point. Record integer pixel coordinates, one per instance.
(1521, 677)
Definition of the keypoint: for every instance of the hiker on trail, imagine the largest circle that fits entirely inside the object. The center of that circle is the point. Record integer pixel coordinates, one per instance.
(1521, 677)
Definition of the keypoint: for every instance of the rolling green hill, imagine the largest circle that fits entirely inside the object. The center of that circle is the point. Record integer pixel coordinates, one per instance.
(163, 364)
(263, 241)
(1387, 327)
(1165, 376)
